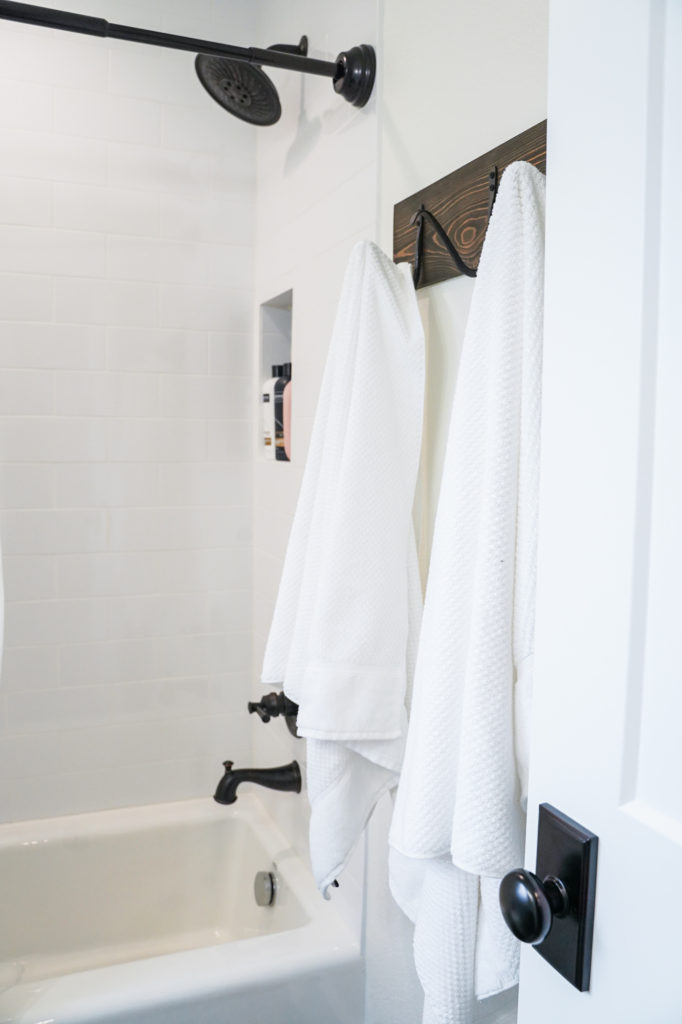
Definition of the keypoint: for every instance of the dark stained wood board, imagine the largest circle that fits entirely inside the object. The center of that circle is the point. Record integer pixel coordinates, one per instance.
(460, 202)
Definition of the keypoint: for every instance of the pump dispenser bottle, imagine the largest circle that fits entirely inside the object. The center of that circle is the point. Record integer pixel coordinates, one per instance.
(280, 387)
(268, 412)
(286, 413)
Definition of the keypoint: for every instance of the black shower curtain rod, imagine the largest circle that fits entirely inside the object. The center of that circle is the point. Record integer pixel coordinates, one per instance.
(352, 72)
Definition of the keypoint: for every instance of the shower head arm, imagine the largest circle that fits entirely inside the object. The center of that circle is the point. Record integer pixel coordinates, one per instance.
(246, 54)
(47, 17)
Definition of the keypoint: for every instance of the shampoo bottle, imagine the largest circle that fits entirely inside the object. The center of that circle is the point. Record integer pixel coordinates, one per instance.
(286, 403)
(280, 386)
(268, 412)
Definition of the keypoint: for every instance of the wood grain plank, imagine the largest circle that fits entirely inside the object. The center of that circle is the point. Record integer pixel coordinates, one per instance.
(460, 202)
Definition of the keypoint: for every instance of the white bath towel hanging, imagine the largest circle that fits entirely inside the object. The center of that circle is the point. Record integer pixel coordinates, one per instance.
(344, 631)
(458, 821)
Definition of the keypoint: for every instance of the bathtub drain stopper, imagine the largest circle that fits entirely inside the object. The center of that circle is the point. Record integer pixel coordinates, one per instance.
(265, 888)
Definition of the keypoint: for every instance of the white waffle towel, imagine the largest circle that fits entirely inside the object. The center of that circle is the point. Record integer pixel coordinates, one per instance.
(343, 636)
(458, 823)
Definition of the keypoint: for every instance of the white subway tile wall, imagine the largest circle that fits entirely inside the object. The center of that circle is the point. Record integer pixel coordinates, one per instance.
(126, 415)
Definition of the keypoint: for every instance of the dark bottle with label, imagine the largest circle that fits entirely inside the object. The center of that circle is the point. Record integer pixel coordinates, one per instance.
(286, 401)
(280, 385)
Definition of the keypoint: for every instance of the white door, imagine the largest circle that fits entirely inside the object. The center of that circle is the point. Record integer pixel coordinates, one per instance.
(607, 734)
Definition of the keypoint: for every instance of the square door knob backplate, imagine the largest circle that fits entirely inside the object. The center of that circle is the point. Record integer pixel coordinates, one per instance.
(553, 909)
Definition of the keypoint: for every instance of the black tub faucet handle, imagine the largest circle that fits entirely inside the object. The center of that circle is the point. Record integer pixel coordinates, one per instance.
(272, 705)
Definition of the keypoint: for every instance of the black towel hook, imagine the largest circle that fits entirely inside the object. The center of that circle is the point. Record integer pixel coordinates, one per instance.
(418, 219)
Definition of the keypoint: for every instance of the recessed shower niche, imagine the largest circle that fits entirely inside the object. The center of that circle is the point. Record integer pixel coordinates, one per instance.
(274, 425)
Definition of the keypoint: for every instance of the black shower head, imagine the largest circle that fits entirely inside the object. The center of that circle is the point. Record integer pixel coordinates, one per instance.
(243, 89)
(231, 74)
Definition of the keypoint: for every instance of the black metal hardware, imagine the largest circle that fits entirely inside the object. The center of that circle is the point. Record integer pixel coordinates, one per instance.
(355, 72)
(556, 915)
(286, 777)
(352, 72)
(492, 188)
(301, 48)
(67, 21)
(272, 705)
(418, 219)
(529, 905)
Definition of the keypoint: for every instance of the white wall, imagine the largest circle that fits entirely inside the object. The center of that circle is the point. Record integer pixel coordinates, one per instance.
(126, 230)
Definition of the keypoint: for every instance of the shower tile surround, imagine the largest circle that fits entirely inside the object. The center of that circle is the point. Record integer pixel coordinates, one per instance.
(126, 414)
(143, 539)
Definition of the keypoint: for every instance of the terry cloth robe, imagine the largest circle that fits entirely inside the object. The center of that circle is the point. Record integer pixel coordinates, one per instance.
(343, 635)
(458, 823)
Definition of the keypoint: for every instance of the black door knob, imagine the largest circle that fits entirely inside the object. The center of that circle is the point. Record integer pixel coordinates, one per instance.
(529, 905)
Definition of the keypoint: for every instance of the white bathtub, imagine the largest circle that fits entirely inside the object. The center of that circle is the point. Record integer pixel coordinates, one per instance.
(147, 915)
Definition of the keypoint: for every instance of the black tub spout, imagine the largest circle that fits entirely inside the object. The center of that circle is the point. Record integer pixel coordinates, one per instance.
(286, 777)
